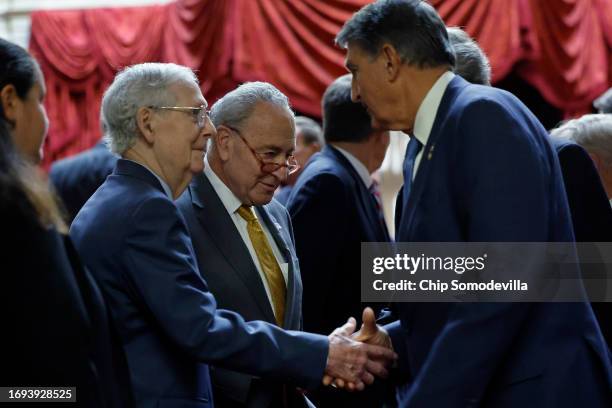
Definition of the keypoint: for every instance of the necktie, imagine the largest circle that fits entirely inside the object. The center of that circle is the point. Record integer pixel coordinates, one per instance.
(413, 149)
(267, 261)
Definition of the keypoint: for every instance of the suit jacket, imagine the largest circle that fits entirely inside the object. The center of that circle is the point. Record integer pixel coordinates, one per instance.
(489, 174)
(137, 245)
(590, 210)
(76, 178)
(227, 266)
(333, 213)
(58, 331)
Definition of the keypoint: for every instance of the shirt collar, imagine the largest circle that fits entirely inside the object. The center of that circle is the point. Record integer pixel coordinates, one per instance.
(164, 185)
(426, 115)
(229, 199)
(359, 167)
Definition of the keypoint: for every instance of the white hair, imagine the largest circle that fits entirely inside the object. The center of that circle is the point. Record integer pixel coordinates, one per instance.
(137, 86)
(238, 105)
(593, 132)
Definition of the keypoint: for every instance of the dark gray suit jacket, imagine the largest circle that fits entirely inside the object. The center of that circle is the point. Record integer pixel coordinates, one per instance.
(226, 264)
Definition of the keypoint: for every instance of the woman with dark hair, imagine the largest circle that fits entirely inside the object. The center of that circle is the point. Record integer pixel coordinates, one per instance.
(56, 329)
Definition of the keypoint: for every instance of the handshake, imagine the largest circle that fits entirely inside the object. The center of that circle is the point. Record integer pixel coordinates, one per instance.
(356, 357)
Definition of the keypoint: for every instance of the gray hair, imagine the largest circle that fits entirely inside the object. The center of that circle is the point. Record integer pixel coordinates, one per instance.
(238, 105)
(604, 103)
(137, 86)
(310, 130)
(593, 132)
(412, 27)
(471, 62)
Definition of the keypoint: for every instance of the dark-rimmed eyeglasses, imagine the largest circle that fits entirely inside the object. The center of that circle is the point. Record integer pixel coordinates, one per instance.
(200, 113)
(267, 166)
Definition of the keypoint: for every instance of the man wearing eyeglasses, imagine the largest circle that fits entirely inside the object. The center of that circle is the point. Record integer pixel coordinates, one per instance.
(134, 240)
(243, 239)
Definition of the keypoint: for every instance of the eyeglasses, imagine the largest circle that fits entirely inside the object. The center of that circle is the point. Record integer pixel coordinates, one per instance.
(268, 166)
(200, 114)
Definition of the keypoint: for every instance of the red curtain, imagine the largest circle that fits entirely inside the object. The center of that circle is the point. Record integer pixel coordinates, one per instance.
(562, 47)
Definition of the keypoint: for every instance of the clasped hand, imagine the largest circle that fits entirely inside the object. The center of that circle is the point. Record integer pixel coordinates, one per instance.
(356, 357)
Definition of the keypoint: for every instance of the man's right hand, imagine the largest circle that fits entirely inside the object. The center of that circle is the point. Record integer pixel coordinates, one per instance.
(352, 362)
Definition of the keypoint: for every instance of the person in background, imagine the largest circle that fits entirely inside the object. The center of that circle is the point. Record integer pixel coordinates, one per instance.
(242, 238)
(575, 141)
(334, 208)
(57, 331)
(76, 178)
(136, 243)
(603, 103)
(471, 63)
(308, 141)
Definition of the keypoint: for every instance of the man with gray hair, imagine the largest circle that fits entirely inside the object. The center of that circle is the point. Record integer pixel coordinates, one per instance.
(135, 241)
(243, 239)
(471, 63)
(603, 103)
(308, 141)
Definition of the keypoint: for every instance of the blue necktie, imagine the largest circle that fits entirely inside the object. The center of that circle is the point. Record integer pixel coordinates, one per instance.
(414, 147)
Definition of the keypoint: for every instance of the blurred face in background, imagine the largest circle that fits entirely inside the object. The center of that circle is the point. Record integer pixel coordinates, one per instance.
(27, 117)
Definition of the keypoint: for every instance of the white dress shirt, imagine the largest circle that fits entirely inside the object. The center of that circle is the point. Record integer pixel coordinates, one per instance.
(359, 167)
(426, 115)
(232, 204)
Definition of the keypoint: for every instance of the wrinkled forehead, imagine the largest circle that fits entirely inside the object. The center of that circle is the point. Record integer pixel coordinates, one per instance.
(271, 125)
(187, 94)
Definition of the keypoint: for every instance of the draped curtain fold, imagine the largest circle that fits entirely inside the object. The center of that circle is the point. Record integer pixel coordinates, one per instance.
(562, 47)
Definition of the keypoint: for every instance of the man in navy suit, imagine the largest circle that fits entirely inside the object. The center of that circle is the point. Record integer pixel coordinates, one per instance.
(76, 178)
(479, 168)
(308, 141)
(334, 209)
(587, 198)
(256, 115)
(133, 238)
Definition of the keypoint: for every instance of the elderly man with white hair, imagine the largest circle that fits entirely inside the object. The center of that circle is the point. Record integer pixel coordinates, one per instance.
(133, 238)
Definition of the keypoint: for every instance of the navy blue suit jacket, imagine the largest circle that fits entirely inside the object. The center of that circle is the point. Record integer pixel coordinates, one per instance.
(591, 213)
(76, 178)
(332, 213)
(137, 245)
(489, 174)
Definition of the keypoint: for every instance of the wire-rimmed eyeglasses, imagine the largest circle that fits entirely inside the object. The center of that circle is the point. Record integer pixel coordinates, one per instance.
(268, 166)
(200, 113)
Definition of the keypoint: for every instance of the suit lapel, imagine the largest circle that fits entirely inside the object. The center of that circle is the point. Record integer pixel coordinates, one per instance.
(274, 227)
(420, 181)
(366, 198)
(213, 217)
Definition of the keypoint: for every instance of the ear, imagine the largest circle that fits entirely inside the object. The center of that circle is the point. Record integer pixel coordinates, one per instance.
(392, 62)
(223, 142)
(10, 101)
(146, 125)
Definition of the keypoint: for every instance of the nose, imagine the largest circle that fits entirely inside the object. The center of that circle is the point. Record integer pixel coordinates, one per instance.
(281, 173)
(208, 130)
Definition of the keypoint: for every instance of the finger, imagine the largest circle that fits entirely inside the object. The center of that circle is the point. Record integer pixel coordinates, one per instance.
(380, 353)
(359, 386)
(368, 328)
(339, 383)
(348, 328)
(376, 368)
(367, 378)
(327, 380)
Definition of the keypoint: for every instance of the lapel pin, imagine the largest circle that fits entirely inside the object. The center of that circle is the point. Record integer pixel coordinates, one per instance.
(430, 154)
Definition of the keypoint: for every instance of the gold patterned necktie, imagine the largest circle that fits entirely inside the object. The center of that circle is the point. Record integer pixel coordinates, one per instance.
(269, 264)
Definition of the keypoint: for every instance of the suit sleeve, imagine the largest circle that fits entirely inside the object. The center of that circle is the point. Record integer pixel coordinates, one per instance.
(162, 271)
(505, 182)
(320, 201)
